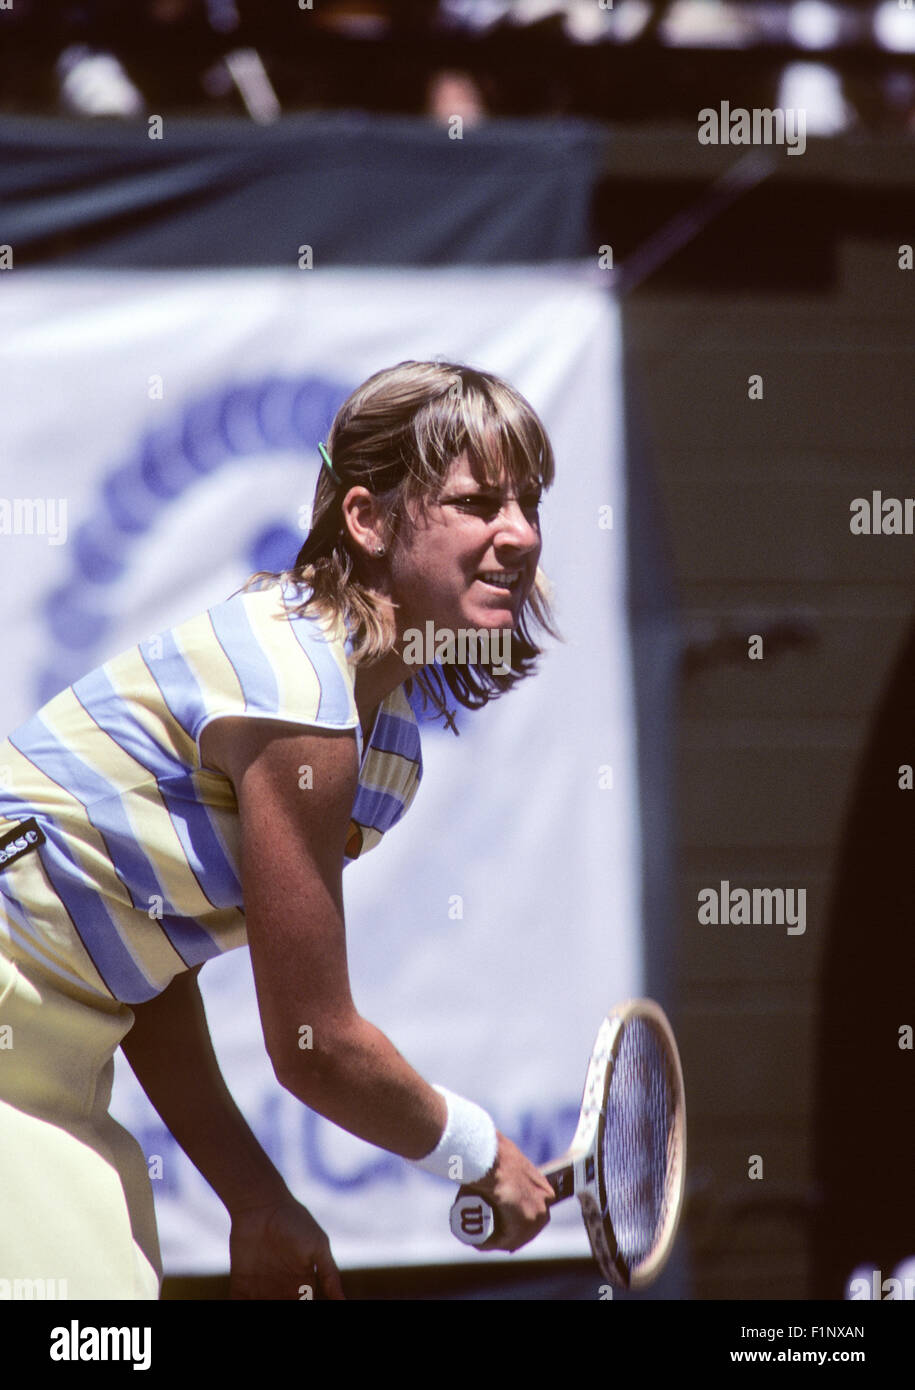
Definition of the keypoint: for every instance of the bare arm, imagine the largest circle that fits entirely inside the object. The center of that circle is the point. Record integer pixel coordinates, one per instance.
(292, 849)
(277, 1248)
(291, 865)
(170, 1051)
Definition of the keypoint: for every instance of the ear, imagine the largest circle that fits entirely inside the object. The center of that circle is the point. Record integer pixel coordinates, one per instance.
(363, 520)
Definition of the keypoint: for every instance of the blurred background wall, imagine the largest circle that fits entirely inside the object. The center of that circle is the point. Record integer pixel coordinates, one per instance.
(756, 497)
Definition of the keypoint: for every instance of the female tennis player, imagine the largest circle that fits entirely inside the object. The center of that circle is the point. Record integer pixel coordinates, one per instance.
(204, 791)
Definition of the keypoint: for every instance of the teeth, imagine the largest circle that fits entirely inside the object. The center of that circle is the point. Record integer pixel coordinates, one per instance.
(500, 577)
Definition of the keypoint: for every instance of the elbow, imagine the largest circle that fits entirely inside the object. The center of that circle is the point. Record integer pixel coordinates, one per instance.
(313, 1064)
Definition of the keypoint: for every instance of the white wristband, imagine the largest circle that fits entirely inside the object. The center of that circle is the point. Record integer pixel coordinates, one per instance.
(468, 1146)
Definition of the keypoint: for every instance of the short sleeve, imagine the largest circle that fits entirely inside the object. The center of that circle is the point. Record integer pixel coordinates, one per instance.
(251, 657)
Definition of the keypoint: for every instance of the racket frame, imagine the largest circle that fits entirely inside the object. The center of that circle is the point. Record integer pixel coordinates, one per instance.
(580, 1171)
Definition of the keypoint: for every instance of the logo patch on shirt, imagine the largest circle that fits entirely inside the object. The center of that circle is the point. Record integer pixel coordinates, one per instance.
(27, 835)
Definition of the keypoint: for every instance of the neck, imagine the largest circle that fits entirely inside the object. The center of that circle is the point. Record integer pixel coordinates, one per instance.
(373, 683)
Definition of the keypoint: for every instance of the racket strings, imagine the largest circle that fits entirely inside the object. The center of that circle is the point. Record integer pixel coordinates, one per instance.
(637, 1143)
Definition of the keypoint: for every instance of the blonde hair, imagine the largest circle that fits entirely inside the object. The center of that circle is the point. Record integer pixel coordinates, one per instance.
(397, 435)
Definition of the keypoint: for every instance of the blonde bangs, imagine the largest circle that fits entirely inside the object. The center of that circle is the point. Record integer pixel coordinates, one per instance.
(492, 424)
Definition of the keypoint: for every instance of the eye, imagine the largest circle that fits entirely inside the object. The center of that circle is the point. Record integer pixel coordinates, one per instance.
(490, 504)
(479, 502)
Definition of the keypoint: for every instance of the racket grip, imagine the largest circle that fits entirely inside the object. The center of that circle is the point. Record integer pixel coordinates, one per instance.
(472, 1220)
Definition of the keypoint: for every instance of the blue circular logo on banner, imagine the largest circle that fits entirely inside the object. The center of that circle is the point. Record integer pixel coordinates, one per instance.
(272, 415)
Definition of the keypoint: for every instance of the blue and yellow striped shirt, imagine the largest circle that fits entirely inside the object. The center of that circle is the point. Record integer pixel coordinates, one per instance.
(138, 878)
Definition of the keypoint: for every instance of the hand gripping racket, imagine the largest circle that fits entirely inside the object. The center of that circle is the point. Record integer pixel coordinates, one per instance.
(627, 1161)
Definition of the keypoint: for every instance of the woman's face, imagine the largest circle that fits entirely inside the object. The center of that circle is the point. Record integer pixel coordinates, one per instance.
(469, 560)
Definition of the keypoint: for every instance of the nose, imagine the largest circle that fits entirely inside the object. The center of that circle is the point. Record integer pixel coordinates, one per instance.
(516, 529)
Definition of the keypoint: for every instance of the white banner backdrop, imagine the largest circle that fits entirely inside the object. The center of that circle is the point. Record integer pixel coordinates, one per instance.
(157, 444)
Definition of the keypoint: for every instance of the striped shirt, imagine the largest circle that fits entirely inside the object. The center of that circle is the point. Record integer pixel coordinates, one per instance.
(138, 877)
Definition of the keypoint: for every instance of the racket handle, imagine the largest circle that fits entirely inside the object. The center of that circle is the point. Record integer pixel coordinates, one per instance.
(561, 1177)
(473, 1219)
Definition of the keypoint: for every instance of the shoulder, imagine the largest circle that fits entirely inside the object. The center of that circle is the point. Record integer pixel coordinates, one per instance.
(258, 654)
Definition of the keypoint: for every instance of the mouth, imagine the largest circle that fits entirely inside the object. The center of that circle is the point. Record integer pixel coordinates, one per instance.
(501, 581)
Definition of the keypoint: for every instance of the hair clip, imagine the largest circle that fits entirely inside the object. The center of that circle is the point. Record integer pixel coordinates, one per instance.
(330, 467)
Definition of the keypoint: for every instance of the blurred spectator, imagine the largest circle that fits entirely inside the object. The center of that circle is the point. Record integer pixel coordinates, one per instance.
(479, 57)
(93, 83)
(455, 94)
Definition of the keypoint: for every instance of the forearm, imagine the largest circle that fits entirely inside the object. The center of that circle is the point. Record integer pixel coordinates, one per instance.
(170, 1051)
(356, 1078)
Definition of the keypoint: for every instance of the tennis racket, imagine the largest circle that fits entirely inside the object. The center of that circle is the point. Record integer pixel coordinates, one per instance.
(627, 1161)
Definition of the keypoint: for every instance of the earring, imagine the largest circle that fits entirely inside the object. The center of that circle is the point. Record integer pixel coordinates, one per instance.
(379, 549)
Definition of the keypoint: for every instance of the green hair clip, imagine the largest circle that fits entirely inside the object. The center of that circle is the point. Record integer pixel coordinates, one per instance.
(330, 467)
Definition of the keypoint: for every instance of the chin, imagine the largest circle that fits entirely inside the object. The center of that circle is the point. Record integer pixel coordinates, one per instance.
(492, 618)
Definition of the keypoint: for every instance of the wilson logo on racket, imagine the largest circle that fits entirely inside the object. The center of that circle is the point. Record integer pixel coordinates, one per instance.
(472, 1220)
